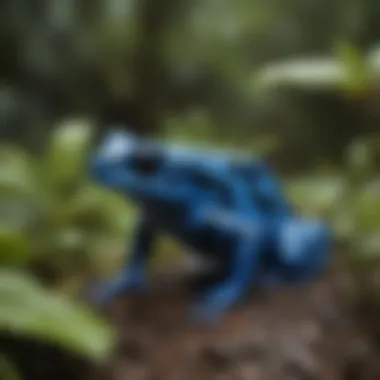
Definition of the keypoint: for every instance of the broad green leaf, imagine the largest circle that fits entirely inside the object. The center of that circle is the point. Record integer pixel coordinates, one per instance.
(28, 309)
(348, 71)
(308, 73)
(65, 160)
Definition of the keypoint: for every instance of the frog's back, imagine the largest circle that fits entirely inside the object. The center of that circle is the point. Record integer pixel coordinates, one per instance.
(188, 153)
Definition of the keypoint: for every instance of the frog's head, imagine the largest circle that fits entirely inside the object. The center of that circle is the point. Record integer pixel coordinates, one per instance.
(123, 160)
(144, 169)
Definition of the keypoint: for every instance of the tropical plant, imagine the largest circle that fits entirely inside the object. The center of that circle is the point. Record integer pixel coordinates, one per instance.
(347, 71)
(52, 215)
(350, 201)
(53, 218)
(29, 310)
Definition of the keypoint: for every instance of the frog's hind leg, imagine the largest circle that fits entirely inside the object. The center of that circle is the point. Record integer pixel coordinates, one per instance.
(240, 269)
(212, 276)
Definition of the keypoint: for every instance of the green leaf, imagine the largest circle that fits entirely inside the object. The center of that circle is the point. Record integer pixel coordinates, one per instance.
(94, 208)
(28, 309)
(354, 65)
(65, 160)
(17, 172)
(348, 71)
(316, 195)
(305, 73)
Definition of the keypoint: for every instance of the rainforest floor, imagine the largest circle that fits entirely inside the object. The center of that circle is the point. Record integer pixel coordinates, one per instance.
(309, 332)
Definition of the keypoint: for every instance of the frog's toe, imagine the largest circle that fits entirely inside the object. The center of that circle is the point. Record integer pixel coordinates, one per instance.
(108, 291)
(116, 287)
(215, 303)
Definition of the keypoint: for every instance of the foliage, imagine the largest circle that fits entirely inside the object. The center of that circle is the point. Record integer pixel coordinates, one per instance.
(349, 196)
(193, 55)
(52, 213)
(350, 200)
(182, 69)
(27, 308)
(349, 72)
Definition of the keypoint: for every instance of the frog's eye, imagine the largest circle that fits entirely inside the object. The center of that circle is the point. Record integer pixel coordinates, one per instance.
(147, 161)
(117, 144)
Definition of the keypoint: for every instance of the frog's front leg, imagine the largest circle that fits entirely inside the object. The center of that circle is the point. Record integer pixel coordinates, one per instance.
(133, 275)
(244, 258)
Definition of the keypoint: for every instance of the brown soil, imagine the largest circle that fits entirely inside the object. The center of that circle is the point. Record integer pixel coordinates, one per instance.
(293, 334)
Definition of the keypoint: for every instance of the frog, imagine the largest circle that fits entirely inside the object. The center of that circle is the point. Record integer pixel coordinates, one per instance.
(225, 207)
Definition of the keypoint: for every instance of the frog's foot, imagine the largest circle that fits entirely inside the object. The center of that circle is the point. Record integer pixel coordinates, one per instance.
(215, 303)
(125, 282)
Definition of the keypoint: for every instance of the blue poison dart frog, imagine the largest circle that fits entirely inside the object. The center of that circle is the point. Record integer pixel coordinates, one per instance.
(225, 207)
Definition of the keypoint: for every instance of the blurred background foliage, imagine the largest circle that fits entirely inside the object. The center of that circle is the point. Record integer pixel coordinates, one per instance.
(294, 81)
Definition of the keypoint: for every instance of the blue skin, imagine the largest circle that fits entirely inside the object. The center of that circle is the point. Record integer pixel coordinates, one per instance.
(226, 208)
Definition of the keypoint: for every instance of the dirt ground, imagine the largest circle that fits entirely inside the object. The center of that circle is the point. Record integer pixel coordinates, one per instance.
(298, 333)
